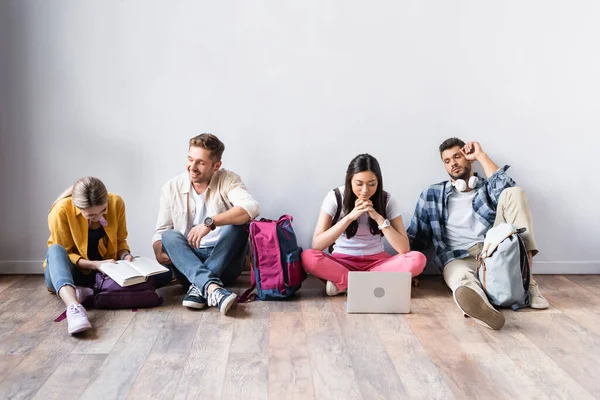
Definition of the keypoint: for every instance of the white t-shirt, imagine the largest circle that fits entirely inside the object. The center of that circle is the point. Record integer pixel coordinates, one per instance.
(364, 243)
(463, 228)
(211, 239)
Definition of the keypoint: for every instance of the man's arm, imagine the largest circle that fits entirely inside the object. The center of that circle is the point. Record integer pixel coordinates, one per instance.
(243, 202)
(474, 152)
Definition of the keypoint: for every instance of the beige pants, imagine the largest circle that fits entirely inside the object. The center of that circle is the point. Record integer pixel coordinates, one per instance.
(512, 208)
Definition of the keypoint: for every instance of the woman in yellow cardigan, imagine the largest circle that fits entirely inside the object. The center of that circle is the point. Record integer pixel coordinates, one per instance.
(87, 227)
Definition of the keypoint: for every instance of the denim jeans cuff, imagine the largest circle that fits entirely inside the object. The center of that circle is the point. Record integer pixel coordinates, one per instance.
(63, 284)
(207, 284)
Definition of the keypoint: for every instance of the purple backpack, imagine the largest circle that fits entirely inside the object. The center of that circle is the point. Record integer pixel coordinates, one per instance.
(109, 295)
(276, 271)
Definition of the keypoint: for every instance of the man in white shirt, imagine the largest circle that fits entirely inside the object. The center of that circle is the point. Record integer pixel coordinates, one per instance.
(455, 215)
(202, 225)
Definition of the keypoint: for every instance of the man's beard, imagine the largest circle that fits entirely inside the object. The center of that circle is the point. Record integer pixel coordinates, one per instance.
(465, 175)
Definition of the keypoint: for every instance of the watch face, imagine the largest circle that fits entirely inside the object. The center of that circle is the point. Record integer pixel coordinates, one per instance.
(208, 221)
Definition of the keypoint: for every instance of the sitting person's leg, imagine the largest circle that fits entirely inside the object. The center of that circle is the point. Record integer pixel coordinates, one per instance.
(60, 277)
(513, 208)
(413, 262)
(461, 277)
(189, 266)
(225, 262)
(328, 268)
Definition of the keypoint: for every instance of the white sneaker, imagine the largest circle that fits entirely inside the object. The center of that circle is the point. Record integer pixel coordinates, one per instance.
(77, 319)
(538, 301)
(331, 289)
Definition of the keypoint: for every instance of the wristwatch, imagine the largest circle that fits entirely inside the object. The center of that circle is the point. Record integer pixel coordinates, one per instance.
(208, 221)
(385, 224)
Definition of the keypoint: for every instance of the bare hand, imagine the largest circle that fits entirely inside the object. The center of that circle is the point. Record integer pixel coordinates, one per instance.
(96, 264)
(196, 234)
(128, 257)
(360, 207)
(163, 258)
(368, 204)
(472, 151)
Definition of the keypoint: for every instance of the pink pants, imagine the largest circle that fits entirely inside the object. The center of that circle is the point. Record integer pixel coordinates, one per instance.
(335, 267)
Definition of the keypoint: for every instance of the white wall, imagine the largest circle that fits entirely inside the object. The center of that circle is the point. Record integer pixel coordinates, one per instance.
(295, 89)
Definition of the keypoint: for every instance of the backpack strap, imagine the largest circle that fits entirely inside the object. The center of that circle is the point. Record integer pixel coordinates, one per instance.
(247, 296)
(336, 217)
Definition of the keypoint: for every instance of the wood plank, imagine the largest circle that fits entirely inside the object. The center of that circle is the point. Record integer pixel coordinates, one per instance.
(41, 362)
(159, 377)
(375, 379)
(117, 374)
(565, 295)
(246, 373)
(331, 364)
(251, 328)
(7, 281)
(246, 377)
(204, 370)
(8, 362)
(107, 328)
(578, 359)
(290, 375)
(30, 328)
(22, 311)
(460, 372)
(417, 372)
(71, 377)
(313, 297)
(588, 282)
(536, 365)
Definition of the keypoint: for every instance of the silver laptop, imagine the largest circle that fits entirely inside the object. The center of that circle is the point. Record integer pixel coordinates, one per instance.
(379, 292)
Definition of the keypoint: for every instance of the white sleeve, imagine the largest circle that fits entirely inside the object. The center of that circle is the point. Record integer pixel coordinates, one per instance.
(329, 205)
(392, 211)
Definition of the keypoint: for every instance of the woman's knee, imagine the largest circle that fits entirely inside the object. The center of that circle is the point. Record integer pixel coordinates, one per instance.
(310, 259)
(419, 261)
(56, 250)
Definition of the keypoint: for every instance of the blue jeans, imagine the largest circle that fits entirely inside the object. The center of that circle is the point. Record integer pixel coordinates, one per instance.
(61, 271)
(221, 264)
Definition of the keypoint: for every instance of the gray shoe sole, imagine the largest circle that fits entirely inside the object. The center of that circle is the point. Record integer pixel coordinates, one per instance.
(227, 303)
(193, 304)
(475, 307)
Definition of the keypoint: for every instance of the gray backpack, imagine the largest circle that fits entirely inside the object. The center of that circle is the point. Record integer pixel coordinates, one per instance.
(504, 267)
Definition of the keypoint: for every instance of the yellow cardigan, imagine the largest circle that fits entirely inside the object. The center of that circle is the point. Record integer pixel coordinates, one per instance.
(69, 228)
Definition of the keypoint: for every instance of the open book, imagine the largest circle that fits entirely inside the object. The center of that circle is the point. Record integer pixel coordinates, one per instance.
(127, 273)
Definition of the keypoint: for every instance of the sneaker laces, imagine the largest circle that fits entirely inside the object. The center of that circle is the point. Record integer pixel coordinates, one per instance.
(195, 291)
(215, 297)
(76, 311)
(534, 289)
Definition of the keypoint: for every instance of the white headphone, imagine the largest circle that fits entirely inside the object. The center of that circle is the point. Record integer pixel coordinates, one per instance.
(461, 185)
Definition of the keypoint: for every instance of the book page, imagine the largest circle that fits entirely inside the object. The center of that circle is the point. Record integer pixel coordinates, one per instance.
(147, 267)
(119, 272)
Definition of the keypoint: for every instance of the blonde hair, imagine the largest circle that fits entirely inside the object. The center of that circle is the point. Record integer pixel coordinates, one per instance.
(86, 192)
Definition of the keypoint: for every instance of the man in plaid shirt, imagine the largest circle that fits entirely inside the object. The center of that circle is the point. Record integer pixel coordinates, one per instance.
(455, 215)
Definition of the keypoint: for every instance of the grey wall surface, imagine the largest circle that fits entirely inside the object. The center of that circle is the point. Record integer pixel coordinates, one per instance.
(296, 89)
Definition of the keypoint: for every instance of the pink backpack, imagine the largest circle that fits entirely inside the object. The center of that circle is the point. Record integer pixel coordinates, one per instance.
(276, 271)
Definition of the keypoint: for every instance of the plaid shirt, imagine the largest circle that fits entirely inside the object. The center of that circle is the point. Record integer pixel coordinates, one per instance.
(431, 213)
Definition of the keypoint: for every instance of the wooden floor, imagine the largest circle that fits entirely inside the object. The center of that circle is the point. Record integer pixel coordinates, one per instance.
(308, 348)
